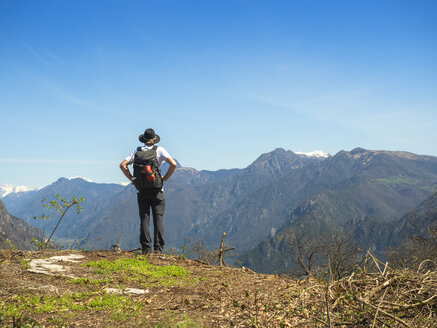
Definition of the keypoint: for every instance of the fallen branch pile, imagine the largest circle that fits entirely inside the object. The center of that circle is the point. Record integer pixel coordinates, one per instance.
(379, 296)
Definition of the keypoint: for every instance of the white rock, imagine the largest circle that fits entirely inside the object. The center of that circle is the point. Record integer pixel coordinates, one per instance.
(67, 258)
(50, 266)
(127, 291)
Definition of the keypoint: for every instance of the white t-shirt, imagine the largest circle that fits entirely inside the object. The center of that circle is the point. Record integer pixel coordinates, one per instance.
(161, 155)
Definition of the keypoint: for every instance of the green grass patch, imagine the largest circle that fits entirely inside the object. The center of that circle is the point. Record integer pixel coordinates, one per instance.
(63, 309)
(396, 180)
(24, 263)
(139, 270)
(120, 306)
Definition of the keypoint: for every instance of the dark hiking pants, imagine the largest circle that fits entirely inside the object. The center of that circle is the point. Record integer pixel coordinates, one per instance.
(151, 199)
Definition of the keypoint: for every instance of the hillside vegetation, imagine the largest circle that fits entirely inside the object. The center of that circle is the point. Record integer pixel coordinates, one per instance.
(109, 289)
(15, 232)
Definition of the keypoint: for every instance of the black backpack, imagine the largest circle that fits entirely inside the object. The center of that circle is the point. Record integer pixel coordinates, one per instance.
(146, 169)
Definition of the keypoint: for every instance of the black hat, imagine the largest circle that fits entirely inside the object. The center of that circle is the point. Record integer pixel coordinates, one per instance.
(149, 135)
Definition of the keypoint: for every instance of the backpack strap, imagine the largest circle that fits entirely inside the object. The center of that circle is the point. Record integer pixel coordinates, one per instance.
(155, 147)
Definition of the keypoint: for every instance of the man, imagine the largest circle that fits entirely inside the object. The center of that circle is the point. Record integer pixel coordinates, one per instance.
(147, 161)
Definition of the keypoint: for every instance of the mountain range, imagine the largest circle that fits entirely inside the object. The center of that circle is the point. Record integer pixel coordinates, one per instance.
(362, 192)
(7, 189)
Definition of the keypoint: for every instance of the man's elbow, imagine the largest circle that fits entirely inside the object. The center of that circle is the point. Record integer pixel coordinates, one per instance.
(172, 162)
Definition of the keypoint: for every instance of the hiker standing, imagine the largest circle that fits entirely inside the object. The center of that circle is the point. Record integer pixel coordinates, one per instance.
(147, 179)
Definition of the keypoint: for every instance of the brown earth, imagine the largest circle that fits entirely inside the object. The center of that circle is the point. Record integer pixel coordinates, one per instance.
(211, 296)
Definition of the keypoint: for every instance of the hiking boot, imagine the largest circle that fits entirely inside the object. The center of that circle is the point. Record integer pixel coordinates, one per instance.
(147, 251)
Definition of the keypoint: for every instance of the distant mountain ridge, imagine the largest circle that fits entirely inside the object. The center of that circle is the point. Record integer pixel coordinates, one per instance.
(363, 192)
(7, 189)
(97, 199)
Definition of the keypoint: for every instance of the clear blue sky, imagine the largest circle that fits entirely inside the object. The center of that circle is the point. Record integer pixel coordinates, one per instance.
(220, 81)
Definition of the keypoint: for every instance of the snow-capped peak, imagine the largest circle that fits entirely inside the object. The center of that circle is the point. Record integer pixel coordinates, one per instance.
(7, 189)
(316, 153)
(85, 179)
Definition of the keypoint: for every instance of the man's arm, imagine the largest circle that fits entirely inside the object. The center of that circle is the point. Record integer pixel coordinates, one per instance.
(125, 170)
(170, 170)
